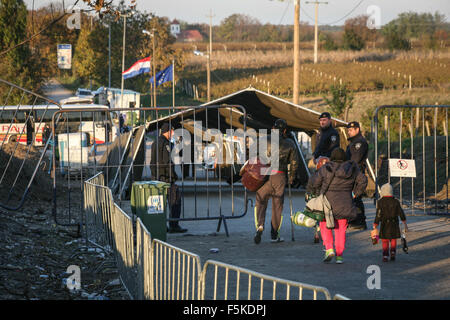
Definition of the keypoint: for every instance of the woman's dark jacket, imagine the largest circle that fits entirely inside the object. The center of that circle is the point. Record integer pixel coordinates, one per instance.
(347, 178)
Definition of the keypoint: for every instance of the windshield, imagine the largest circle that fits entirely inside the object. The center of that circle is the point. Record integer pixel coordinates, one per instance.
(84, 92)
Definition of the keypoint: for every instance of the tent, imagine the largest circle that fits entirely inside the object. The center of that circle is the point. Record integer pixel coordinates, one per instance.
(261, 110)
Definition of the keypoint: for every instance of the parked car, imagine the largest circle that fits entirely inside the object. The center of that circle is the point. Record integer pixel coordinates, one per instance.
(77, 100)
(84, 93)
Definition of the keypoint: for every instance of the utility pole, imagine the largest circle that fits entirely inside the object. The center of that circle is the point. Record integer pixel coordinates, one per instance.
(109, 54)
(208, 66)
(316, 28)
(296, 85)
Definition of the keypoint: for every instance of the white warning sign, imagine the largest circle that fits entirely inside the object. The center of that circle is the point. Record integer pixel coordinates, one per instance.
(402, 168)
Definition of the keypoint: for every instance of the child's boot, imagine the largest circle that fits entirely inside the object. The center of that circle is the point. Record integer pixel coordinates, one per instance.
(392, 255)
(385, 256)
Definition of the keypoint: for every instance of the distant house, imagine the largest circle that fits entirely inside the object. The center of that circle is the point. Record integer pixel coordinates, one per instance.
(190, 36)
(175, 28)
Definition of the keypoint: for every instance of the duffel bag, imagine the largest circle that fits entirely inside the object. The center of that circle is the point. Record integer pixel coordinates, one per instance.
(253, 175)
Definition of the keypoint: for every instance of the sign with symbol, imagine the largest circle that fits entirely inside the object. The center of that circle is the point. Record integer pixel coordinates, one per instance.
(155, 204)
(402, 168)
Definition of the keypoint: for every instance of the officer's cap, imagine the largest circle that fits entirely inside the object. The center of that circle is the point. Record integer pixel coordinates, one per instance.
(325, 115)
(353, 124)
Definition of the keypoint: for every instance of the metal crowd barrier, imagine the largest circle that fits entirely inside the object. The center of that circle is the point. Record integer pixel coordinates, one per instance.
(404, 132)
(156, 270)
(22, 114)
(247, 284)
(143, 262)
(124, 249)
(176, 273)
(125, 157)
(98, 206)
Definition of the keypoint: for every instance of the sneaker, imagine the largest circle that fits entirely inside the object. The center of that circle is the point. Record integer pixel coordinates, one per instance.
(329, 254)
(277, 239)
(258, 234)
(339, 260)
(392, 256)
(385, 258)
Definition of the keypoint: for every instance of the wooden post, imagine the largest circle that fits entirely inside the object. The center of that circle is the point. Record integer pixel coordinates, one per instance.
(427, 125)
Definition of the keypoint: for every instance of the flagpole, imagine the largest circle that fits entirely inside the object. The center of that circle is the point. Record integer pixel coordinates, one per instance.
(154, 70)
(173, 82)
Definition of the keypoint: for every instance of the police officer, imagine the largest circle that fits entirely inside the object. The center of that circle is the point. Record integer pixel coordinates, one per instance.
(162, 169)
(327, 139)
(275, 185)
(357, 151)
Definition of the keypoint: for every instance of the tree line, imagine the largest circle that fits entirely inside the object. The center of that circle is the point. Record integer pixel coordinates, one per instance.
(30, 63)
(430, 29)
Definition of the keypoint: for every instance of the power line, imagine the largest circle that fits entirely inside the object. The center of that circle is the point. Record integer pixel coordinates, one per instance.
(37, 33)
(284, 13)
(334, 22)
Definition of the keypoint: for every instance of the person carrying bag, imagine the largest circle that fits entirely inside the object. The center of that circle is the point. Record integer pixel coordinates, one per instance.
(337, 181)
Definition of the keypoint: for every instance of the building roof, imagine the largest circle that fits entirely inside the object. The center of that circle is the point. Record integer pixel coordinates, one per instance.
(190, 35)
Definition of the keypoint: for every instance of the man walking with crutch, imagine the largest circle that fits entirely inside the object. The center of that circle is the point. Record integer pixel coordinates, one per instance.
(275, 186)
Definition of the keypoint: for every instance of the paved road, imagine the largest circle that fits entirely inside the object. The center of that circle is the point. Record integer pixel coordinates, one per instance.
(55, 91)
(424, 273)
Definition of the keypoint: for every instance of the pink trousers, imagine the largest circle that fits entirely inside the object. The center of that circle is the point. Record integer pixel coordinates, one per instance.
(339, 235)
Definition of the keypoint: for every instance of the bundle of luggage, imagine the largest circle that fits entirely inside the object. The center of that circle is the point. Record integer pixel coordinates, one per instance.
(309, 216)
(254, 174)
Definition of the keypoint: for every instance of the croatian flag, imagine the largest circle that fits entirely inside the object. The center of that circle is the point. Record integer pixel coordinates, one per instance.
(141, 66)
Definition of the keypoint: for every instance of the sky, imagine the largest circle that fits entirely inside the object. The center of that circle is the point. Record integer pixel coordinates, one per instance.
(335, 12)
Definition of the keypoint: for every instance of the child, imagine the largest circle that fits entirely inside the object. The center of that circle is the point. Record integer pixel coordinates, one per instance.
(388, 211)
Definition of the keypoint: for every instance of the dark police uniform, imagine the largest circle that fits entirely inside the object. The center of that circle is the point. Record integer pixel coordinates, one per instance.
(162, 169)
(357, 151)
(327, 140)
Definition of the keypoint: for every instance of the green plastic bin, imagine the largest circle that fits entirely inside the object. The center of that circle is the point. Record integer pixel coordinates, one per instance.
(149, 203)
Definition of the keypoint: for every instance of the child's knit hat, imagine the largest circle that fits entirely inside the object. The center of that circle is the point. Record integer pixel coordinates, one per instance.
(386, 190)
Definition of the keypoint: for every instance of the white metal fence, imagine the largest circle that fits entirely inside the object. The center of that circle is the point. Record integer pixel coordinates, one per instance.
(155, 270)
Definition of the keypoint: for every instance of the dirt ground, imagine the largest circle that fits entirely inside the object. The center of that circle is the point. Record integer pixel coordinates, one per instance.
(35, 253)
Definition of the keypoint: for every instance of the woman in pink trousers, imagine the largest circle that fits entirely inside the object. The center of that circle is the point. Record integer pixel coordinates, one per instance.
(340, 181)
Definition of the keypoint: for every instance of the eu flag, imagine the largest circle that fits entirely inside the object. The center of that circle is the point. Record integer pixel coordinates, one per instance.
(163, 76)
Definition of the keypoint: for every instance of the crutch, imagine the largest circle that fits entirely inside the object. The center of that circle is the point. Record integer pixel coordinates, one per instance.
(290, 204)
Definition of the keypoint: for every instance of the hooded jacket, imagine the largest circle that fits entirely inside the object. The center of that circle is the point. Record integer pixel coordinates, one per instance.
(337, 180)
(388, 212)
